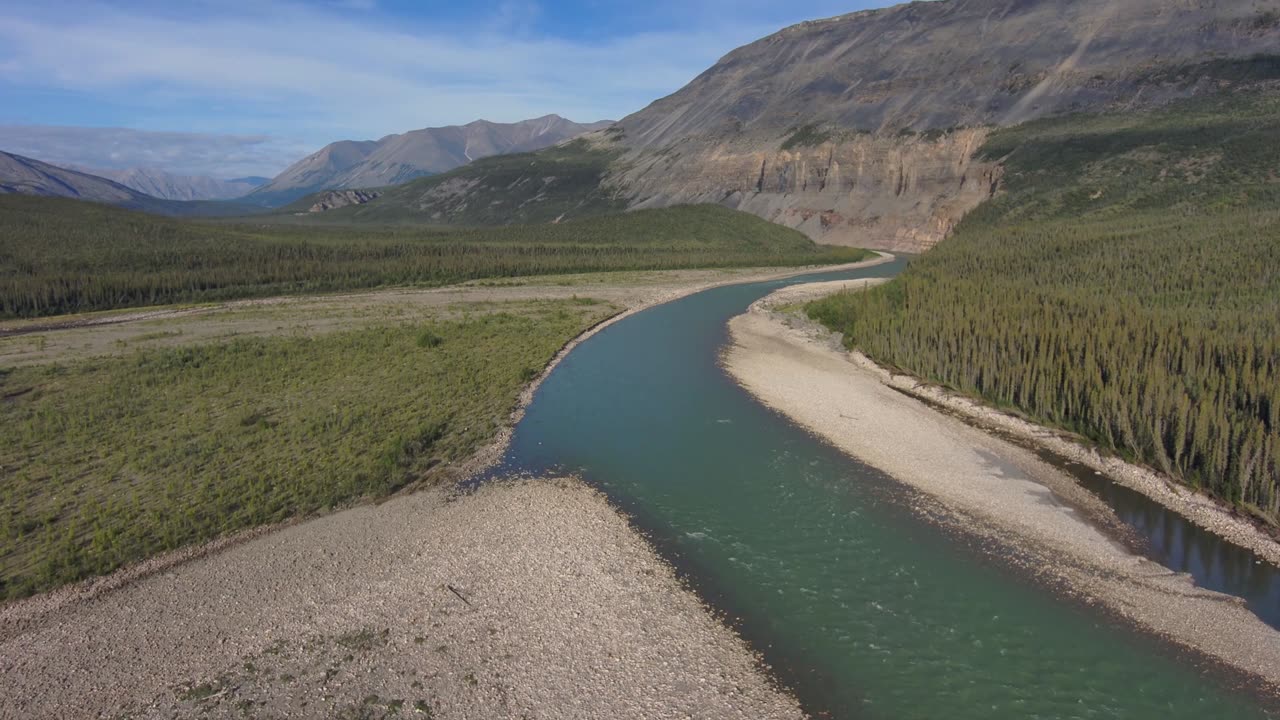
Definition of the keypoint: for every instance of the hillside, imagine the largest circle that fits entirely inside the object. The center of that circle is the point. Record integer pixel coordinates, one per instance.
(1122, 286)
(863, 129)
(559, 183)
(26, 176)
(398, 158)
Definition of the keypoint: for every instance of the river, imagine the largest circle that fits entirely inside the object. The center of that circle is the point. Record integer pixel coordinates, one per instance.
(863, 607)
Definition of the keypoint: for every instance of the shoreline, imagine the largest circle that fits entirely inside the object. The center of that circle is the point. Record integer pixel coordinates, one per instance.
(25, 610)
(1196, 508)
(92, 631)
(489, 456)
(993, 489)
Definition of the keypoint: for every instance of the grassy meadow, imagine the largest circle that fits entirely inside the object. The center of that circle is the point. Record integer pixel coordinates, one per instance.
(64, 256)
(1122, 286)
(109, 460)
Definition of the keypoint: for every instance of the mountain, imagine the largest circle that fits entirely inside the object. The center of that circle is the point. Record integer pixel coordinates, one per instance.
(398, 158)
(564, 181)
(864, 129)
(167, 186)
(25, 176)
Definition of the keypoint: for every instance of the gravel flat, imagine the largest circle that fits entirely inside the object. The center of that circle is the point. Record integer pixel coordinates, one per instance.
(991, 487)
(528, 599)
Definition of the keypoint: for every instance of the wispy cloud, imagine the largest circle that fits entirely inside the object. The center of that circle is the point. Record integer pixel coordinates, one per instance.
(343, 68)
(333, 69)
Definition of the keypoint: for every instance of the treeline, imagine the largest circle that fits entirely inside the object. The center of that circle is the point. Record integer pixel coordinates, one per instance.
(63, 256)
(1126, 288)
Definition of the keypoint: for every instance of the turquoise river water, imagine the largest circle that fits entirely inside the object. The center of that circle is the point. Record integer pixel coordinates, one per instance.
(862, 607)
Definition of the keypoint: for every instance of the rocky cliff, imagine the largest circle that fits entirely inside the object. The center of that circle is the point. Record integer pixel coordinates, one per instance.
(862, 129)
(335, 199)
(901, 192)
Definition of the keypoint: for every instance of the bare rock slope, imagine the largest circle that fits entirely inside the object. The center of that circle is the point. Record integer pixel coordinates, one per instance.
(25, 176)
(341, 198)
(861, 129)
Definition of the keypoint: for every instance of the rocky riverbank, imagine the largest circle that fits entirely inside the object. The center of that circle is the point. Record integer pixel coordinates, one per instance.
(988, 486)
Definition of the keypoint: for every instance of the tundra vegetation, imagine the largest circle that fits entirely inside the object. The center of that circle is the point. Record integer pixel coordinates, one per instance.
(1123, 287)
(106, 461)
(63, 256)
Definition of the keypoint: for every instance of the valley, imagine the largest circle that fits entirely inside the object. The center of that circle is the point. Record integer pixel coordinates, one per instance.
(920, 361)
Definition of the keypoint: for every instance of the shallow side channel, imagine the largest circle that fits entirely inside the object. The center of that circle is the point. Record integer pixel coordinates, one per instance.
(862, 607)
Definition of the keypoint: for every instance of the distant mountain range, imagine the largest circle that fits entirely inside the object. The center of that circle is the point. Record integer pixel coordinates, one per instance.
(167, 186)
(341, 165)
(26, 176)
(399, 158)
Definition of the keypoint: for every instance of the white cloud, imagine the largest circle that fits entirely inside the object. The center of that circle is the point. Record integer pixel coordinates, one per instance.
(342, 69)
(350, 73)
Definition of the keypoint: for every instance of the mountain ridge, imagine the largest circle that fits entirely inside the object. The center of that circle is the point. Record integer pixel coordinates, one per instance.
(165, 185)
(397, 158)
(21, 175)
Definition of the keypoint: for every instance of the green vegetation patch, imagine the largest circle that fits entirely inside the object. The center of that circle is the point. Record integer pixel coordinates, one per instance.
(1123, 287)
(63, 256)
(1245, 71)
(806, 136)
(108, 461)
(558, 183)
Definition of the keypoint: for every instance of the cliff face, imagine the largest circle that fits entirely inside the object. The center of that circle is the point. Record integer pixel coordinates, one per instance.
(861, 129)
(901, 193)
(335, 199)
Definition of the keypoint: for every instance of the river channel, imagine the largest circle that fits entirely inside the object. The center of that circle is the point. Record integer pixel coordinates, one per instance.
(862, 606)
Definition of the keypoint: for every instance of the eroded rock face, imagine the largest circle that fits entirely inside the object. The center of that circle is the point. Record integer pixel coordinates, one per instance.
(901, 193)
(342, 198)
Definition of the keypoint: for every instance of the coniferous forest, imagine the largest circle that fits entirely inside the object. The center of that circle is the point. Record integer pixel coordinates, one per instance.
(1123, 285)
(64, 256)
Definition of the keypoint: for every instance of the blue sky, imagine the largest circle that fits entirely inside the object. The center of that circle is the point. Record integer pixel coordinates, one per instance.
(266, 81)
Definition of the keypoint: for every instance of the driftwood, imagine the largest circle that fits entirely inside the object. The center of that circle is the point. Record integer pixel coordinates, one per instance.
(455, 592)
